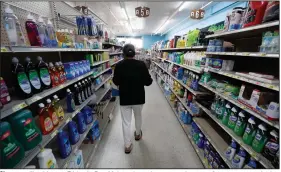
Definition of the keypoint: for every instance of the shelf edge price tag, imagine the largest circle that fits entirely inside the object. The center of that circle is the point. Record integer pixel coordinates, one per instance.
(19, 107)
(54, 133)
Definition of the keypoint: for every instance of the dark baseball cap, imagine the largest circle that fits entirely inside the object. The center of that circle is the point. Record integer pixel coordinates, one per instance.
(129, 50)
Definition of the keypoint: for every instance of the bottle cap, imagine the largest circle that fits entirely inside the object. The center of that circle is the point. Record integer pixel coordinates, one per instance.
(75, 85)
(8, 10)
(274, 133)
(48, 101)
(262, 127)
(30, 17)
(40, 19)
(227, 106)
(27, 59)
(41, 105)
(79, 83)
(241, 114)
(68, 90)
(15, 60)
(55, 97)
(49, 22)
(51, 64)
(233, 109)
(252, 120)
(39, 58)
(57, 63)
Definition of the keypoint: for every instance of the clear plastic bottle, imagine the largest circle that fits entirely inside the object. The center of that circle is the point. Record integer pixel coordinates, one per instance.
(32, 31)
(51, 34)
(42, 30)
(13, 28)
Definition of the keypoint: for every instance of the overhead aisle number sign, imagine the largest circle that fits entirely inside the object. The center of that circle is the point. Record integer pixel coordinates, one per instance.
(142, 11)
(197, 14)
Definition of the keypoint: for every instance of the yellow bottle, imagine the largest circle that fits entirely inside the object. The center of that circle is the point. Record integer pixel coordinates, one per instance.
(58, 108)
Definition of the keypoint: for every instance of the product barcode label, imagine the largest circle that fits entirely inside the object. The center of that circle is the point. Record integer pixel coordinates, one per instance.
(19, 107)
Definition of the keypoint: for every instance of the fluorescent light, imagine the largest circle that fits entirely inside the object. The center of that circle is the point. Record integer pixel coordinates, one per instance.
(158, 30)
(206, 5)
(183, 5)
(125, 14)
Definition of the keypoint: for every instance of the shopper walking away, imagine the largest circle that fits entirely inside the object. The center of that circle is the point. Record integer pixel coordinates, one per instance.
(131, 76)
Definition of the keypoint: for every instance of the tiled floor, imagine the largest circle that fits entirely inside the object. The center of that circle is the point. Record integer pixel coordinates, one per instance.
(164, 143)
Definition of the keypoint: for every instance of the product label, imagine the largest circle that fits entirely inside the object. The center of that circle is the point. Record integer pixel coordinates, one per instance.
(248, 130)
(72, 104)
(60, 112)
(50, 164)
(24, 83)
(82, 95)
(233, 119)
(34, 79)
(9, 149)
(238, 123)
(258, 137)
(55, 118)
(271, 148)
(45, 76)
(48, 124)
(3, 90)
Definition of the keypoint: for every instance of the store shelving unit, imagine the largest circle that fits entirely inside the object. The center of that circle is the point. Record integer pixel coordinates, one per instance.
(116, 62)
(192, 68)
(118, 53)
(110, 44)
(98, 63)
(244, 54)
(184, 48)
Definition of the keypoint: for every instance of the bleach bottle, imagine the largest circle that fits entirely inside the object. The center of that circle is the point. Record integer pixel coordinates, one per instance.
(64, 144)
(69, 101)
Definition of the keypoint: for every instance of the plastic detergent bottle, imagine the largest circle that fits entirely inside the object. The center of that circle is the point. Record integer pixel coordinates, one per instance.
(241, 124)
(92, 84)
(25, 129)
(54, 75)
(52, 112)
(226, 114)
(77, 95)
(272, 146)
(20, 80)
(200, 142)
(231, 150)
(81, 91)
(13, 28)
(81, 123)
(32, 76)
(45, 119)
(62, 70)
(73, 133)
(69, 101)
(42, 30)
(214, 104)
(58, 108)
(61, 74)
(260, 139)
(239, 159)
(88, 85)
(87, 111)
(32, 31)
(47, 159)
(11, 151)
(63, 144)
(232, 118)
(220, 108)
(51, 34)
(42, 69)
(84, 86)
(252, 164)
(250, 131)
(4, 93)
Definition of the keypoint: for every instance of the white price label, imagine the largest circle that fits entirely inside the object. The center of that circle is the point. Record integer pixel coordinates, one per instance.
(19, 107)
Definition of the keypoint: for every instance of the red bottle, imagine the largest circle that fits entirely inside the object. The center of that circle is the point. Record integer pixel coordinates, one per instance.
(46, 123)
(52, 113)
(4, 93)
(55, 76)
(62, 76)
(255, 13)
(32, 31)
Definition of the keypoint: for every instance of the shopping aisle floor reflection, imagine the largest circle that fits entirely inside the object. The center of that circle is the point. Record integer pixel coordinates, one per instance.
(164, 143)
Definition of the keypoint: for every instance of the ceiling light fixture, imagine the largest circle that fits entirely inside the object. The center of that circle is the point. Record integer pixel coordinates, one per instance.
(186, 18)
(183, 5)
(122, 5)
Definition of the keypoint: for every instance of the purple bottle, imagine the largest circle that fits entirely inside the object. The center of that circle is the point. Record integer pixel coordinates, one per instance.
(32, 31)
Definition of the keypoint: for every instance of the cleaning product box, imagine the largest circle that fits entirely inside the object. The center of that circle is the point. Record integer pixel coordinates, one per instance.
(76, 160)
(222, 65)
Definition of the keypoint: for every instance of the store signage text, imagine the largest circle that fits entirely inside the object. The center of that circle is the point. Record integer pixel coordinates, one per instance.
(197, 14)
(142, 11)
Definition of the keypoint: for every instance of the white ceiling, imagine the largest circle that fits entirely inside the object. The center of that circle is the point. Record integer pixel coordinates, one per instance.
(113, 15)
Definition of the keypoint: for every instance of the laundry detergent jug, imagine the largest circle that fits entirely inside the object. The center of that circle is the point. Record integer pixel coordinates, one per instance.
(87, 111)
(64, 144)
(81, 123)
(47, 159)
(73, 132)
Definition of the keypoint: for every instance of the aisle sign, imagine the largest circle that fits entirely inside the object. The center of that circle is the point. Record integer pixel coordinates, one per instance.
(142, 11)
(197, 14)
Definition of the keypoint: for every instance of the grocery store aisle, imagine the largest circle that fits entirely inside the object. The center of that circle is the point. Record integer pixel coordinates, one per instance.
(164, 143)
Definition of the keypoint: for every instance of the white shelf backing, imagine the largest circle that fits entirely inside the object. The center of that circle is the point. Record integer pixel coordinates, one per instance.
(98, 63)
(116, 62)
(248, 31)
(192, 68)
(29, 155)
(240, 105)
(214, 138)
(247, 54)
(113, 54)
(241, 78)
(103, 82)
(41, 49)
(17, 105)
(266, 163)
(184, 48)
(189, 89)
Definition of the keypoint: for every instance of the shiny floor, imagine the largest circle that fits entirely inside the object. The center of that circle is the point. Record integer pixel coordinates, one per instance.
(164, 143)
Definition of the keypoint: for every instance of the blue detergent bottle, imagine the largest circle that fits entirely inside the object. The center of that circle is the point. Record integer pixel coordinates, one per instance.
(64, 144)
(70, 101)
(73, 133)
(189, 118)
(81, 123)
(87, 111)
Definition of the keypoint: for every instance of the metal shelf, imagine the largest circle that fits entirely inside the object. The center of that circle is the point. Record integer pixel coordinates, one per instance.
(184, 48)
(41, 49)
(246, 54)
(240, 105)
(192, 68)
(103, 82)
(98, 63)
(246, 32)
(214, 138)
(112, 54)
(266, 163)
(95, 76)
(107, 43)
(17, 105)
(116, 62)
(241, 78)
(185, 86)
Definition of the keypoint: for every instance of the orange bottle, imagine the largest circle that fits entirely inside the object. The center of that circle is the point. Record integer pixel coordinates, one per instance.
(54, 75)
(46, 123)
(61, 72)
(52, 112)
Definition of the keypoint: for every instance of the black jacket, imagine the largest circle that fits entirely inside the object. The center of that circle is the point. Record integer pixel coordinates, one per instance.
(131, 76)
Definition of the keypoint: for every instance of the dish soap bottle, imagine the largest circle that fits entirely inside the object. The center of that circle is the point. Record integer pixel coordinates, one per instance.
(69, 101)
(77, 95)
(231, 150)
(12, 151)
(20, 80)
(260, 139)
(32, 31)
(58, 108)
(73, 132)
(250, 131)
(46, 122)
(84, 86)
(240, 125)
(25, 129)
(4, 93)
(32, 75)
(51, 34)
(226, 114)
(239, 159)
(44, 75)
(232, 118)
(47, 159)
(81, 91)
(42, 30)
(63, 144)
(54, 75)
(52, 112)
